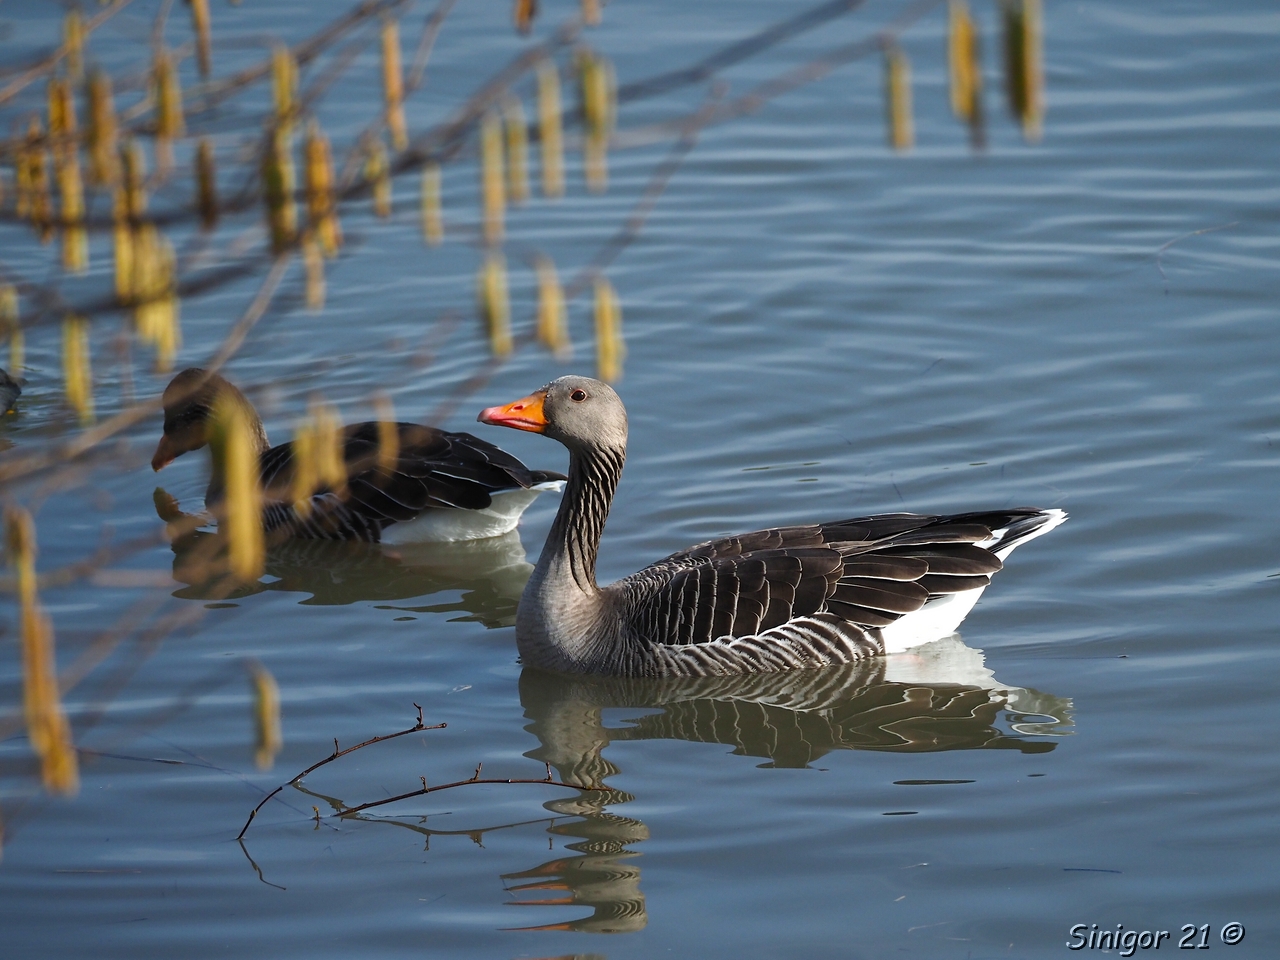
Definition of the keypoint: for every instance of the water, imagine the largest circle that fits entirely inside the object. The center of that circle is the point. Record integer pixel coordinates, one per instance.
(815, 329)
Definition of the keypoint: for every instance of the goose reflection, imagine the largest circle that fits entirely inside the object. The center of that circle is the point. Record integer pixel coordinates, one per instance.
(488, 574)
(937, 697)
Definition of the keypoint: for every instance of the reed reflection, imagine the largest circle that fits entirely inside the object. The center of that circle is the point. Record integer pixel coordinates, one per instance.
(938, 697)
(488, 574)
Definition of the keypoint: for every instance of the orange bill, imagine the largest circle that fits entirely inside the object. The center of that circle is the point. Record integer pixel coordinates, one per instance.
(526, 414)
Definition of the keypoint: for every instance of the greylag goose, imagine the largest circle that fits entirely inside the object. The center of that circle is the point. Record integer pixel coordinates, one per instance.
(781, 599)
(443, 486)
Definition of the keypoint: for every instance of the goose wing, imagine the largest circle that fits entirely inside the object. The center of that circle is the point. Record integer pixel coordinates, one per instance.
(432, 469)
(809, 595)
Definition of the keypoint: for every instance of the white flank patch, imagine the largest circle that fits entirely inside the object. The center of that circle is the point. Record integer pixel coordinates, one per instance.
(938, 618)
(447, 526)
(943, 615)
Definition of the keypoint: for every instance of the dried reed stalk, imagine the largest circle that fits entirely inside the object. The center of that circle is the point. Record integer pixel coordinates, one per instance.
(62, 122)
(23, 195)
(11, 327)
(611, 349)
(313, 265)
(200, 24)
(522, 15)
(598, 88)
(1024, 70)
(122, 247)
(517, 149)
(553, 323)
(170, 124)
(39, 206)
(75, 238)
(493, 189)
(66, 166)
(897, 93)
(304, 481)
(284, 87)
(388, 433)
(129, 202)
(393, 84)
(279, 183)
(77, 372)
(206, 184)
(495, 303)
(330, 465)
(549, 129)
(133, 168)
(268, 738)
(73, 34)
(235, 458)
(964, 58)
(104, 165)
(377, 171)
(432, 217)
(47, 727)
(322, 215)
(154, 291)
(318, 462)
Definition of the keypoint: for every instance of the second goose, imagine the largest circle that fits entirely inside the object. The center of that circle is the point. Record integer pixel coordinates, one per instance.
(442, 486)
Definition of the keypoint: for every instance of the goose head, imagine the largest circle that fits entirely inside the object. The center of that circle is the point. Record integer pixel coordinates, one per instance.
(188, 407)
(580, 412)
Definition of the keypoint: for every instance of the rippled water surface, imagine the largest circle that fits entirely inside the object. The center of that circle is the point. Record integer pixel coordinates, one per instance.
(816, 328)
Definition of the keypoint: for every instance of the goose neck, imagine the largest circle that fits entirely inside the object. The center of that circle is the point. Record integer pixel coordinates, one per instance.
(574, 541)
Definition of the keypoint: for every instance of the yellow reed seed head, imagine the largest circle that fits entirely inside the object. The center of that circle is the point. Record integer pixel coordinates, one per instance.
(553, 325)
(73, 43)
(237, 456)
(432, 214)
(550, 131)
(495, 303)
(611, 350)
(492, 178)
(393, 84)
(268, 736)
(898, 99)
(77, 371)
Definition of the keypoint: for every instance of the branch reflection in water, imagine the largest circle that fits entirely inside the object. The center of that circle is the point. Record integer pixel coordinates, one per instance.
(935, 698)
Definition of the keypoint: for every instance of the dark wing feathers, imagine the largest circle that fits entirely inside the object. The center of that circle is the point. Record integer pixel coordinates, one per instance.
(957, 559)
(867, 571)
(433, 468)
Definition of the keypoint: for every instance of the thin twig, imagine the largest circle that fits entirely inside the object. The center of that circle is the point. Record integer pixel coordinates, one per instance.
(17, 85)
(461, 783)
(334, 756)
(1186, 236)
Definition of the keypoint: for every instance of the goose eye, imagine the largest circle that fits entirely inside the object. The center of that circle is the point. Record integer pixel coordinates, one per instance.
(578, 396)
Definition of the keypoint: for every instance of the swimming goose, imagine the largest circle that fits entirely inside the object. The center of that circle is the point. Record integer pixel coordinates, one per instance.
(780, 599)
(444, 486)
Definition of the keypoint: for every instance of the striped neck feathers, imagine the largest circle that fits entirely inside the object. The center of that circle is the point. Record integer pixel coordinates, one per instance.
(574, 540)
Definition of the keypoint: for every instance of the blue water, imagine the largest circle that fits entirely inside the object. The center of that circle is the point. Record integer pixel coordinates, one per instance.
(816, 328)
